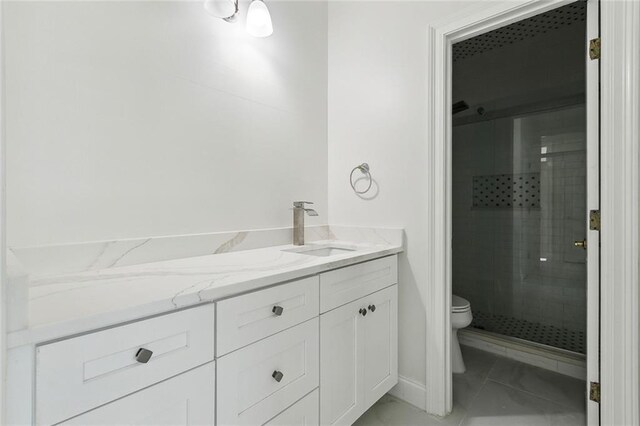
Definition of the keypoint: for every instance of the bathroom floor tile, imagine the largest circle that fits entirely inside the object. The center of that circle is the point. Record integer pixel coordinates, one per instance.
(494, 391)
(389, 411)
(478, 361)
(499, 404)
(546, 384)
(466, 386)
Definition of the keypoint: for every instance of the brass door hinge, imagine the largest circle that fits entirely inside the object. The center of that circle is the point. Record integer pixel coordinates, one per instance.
(594, 48)
(594, 393)
(594, 220)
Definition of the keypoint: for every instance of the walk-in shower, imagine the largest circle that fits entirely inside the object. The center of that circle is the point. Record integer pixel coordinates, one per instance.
(519, 180)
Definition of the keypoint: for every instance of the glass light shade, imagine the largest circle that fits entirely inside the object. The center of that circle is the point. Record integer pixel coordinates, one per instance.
(259, 19)
(223, 9)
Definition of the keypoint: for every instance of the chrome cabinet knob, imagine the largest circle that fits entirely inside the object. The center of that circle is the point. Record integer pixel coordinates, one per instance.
(277, 310)
(372, 308)
(143, 355)
(363, 312)
(277, 375)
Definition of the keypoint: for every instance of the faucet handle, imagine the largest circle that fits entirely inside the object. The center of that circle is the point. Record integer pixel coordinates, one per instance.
(300, 204)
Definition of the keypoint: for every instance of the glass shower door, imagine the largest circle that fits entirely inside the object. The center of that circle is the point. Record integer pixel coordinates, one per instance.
(519, 201)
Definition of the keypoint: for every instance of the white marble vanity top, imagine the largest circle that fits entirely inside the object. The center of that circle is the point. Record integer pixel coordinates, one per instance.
(61, 305)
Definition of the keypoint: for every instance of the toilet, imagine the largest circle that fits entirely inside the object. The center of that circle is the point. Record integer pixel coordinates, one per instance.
(460, 318)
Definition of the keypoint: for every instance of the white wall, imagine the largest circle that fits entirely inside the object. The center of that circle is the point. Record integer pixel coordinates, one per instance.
(134, 119)
(377, 113)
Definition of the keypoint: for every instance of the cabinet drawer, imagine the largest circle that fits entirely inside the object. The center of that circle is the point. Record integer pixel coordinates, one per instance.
(249, 318)
(247, 392)
(353, 282)
(305, 412)
(184, 400)
(81, 373)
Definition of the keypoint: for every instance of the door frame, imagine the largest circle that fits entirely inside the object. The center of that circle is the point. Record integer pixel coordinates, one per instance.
(620, 206)
(3, 263)
(593, 203)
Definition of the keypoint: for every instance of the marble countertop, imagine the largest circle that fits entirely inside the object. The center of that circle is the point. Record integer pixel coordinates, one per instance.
(62, 305)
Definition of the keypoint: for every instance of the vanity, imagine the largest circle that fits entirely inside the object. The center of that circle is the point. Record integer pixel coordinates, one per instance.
(312, 340)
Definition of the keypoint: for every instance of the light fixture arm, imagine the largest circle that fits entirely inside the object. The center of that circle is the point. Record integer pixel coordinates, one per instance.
(233, 18)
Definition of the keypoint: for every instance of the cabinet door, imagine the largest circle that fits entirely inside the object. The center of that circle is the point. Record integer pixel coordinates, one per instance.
(380, 339)
(186, 399)
(341, 401)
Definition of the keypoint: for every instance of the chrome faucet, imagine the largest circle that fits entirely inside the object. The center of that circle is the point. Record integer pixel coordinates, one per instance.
(298, 221)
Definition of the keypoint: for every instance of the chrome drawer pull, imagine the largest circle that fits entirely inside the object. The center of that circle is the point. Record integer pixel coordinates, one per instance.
(143, 355)
(278, 310)
(277, 375)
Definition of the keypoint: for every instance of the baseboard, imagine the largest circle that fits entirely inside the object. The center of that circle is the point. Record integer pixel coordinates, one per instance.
(411, 392)
(567, 365)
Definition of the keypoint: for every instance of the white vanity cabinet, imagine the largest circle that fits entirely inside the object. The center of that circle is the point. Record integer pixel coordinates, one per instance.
(317, 350)
(359, 346)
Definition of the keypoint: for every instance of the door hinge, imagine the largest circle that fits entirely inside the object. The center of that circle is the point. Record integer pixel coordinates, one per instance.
(594, 48)
(594, 393)
(594, 220)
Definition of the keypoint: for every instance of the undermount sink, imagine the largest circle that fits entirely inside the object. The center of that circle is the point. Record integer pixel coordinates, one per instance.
(320, 251)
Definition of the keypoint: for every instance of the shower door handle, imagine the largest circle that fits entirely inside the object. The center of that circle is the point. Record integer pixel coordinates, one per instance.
(581, 244)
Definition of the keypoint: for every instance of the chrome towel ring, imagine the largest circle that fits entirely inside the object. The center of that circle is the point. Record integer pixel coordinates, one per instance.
(364, 168)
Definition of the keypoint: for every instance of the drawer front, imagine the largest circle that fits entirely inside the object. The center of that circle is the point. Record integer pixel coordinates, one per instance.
(184, 400)
(303, 413)
(246, 319)
(81, 373)
(353, 282)
(247, 392)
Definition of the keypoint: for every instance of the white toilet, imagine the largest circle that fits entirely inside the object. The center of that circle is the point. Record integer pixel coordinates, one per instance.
(460, 318)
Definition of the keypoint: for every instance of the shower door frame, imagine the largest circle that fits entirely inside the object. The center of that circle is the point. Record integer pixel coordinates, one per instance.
(619, 350)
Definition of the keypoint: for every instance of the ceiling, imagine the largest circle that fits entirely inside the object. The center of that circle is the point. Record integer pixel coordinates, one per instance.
(522, 30)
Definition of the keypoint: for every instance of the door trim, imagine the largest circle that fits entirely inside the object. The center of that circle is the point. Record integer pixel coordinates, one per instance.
(593, 203)
(620, 186)
(620, 202)
(3, 210)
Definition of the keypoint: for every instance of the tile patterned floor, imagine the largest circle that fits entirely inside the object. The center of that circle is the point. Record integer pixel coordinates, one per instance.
(571, 340)
(494, 391)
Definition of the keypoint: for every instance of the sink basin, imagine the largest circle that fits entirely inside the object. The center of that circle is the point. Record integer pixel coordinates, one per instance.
(321, 251)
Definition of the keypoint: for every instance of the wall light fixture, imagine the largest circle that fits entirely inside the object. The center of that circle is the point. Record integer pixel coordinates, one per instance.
(259, 19)
(258, 16)
(223, 9)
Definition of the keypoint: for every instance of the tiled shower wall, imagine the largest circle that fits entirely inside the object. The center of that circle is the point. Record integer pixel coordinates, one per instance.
(520, 261)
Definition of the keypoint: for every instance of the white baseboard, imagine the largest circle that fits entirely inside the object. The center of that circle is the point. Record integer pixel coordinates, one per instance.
(567, 365)
(411, 392)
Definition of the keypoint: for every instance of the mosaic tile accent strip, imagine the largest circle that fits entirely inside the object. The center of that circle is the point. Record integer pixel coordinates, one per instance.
(574, 341)
(507, 191)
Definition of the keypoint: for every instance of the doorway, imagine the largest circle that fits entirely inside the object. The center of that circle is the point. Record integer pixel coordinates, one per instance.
(518, 208)
(521, 122)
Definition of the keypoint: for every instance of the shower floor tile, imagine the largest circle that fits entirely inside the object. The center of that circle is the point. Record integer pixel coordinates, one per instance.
(549, 335)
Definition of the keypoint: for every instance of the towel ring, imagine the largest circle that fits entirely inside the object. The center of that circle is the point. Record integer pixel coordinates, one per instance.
(364, 168)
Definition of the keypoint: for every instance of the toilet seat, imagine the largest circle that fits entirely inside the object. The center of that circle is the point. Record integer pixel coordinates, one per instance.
(459, 304)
